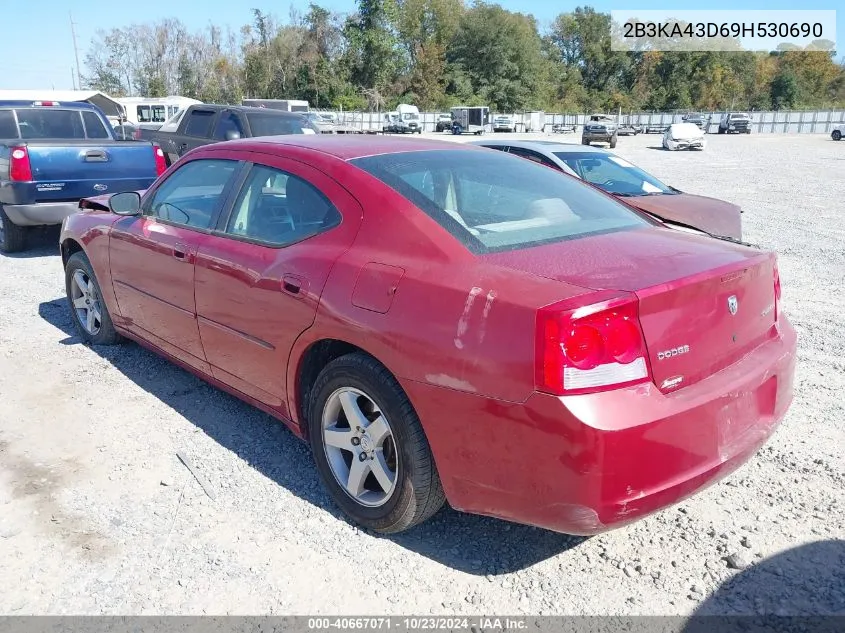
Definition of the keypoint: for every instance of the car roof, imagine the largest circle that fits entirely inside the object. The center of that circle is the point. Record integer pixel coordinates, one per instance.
(544, 146)
(76, 105)
(347, 146)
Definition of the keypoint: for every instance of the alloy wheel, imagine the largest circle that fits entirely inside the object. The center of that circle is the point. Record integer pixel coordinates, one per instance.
(86, 302)
(359, 446)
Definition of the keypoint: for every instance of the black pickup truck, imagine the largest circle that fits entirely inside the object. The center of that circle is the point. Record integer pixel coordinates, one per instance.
(208, 123)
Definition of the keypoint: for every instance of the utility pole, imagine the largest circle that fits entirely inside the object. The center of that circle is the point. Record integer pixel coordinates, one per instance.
(72, 78)
(75, 52)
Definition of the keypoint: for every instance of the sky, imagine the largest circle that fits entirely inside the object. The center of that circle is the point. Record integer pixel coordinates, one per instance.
(36, 45)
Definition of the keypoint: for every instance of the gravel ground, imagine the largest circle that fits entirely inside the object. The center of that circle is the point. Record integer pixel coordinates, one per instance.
(98, 516)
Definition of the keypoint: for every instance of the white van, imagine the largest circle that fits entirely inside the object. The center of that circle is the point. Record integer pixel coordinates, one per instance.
(140, 110)
(409, 116)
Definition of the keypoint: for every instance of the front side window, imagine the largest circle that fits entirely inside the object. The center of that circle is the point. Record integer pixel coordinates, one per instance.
(492, 202)
(613, 174)
(278, 208)
(193, 193)
(227, 123)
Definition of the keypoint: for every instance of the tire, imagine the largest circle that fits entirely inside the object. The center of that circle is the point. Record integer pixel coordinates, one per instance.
(748, 131)
(583, 142)
(105, 334)
(416, 493)
(612, 142)
(837, 135)
(721, 130)
(12, 236)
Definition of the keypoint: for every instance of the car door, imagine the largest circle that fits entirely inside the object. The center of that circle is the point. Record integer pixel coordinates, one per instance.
(260, 275)
(152, 256)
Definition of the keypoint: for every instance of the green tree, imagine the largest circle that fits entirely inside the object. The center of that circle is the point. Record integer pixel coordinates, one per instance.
(373, 54)
(784, 90)
(500, 53)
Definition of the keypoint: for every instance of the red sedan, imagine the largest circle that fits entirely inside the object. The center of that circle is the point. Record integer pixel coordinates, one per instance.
(442, 322)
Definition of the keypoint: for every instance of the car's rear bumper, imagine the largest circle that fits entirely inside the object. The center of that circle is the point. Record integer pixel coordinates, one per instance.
(41, 213)
(587, 464)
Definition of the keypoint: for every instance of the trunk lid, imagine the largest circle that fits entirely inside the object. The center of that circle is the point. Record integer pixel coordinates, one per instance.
(77, 169)
(703, 303)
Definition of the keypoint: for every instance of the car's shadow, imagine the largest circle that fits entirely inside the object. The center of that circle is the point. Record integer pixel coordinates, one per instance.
(40, 242)
(800, 589)
(473, 544)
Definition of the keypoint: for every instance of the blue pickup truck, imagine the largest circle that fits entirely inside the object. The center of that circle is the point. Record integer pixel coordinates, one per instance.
(53, 154)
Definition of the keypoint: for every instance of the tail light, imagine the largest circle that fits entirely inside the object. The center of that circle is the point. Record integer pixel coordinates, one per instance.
(590, 348)
(45, 103)
(161, 164)
(19, 166)
(777, 291)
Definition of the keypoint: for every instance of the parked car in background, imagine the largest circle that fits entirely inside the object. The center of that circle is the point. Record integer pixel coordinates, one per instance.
(504, 123)
(601, 128)
(52, 154)
(200, 125)
(697, 119)
(319, 279)
(684, 136)
(735, 122)
(838, 132)
(444, 122)
(656, 128)
(629, 129)
(393, 123)
(635, 187)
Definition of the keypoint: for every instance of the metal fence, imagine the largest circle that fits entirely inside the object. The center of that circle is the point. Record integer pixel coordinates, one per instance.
(773, 122)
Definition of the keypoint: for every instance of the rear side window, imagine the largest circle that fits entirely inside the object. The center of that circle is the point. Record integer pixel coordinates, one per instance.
(278, 208)
(199, 123)
(491, 201)
(8, 129)
(94, 127)
(49, 122)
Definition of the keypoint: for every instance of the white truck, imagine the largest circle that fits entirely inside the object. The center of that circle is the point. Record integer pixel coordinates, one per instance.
(504, 123)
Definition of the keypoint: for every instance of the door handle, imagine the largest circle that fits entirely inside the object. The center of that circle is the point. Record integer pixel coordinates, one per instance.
(181, 252)
(292, 284)
(183, 147)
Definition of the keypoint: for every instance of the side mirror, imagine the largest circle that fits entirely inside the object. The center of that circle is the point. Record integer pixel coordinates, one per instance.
(232, 135)
(126, 203)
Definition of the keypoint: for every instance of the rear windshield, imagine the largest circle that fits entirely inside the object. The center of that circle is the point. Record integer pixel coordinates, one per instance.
(50, 123)
(272, 125)
(492, 202)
